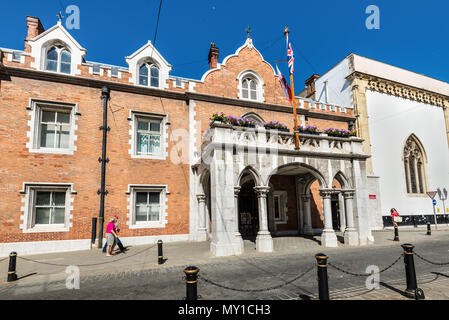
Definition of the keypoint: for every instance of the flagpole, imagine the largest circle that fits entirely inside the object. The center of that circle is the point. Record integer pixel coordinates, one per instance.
(286, 32)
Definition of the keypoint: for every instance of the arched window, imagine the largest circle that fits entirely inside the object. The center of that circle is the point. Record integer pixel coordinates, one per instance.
(249, 88)
(58, 59)
(254, 116)
(414, 159)
(149, 74)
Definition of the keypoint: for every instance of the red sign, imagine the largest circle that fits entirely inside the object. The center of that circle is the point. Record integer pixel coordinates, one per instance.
(372, 196)
(432, 194)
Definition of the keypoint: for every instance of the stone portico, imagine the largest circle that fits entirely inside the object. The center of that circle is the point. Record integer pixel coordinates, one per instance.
(252, 158)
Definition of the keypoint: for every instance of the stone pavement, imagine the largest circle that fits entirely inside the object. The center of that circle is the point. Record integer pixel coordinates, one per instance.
(139, 277)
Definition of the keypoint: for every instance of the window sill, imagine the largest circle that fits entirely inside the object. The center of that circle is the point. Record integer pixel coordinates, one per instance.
(53, 151)
(47, 229)
(148, 225)
(149, 157)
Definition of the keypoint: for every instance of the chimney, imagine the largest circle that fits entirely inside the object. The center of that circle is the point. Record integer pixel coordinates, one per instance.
(35, 28)
(310, 86)
(213, 56)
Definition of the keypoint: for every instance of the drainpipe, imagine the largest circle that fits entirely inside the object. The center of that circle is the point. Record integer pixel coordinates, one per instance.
(103, 192)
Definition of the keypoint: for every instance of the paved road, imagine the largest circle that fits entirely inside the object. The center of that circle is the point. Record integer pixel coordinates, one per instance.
(252, 273)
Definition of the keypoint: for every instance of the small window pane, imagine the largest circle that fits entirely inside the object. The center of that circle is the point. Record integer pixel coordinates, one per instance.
(66, 57)
(64, 138)
(154, 197)
(16, 56)
(142, 143)
(48, 116)
(155, 126)
(253, 85)
(66, 68)
(48, 136)
(59, 198)
(96, 69)
(155, 144)
(141, 213)
(42, 216)
(245, 84)
(63, 117)
(154, 213)
(245, 93)
(42, 198)
(141, 198)
(253, 95)
(143, 125)
(58, 216)
(114, 72)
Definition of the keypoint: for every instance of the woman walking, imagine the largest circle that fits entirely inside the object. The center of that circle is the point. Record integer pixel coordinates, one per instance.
(395, 217)
(111, 235)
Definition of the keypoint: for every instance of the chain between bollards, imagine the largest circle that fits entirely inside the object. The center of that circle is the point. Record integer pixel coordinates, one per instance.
(323, 286)
(160, 259)
(429, 230)
(396, 233)
(12, 276)
(410, 272)
(191, 283)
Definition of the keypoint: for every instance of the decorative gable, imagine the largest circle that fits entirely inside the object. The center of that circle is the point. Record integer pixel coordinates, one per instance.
(56, 36)
(149, 54)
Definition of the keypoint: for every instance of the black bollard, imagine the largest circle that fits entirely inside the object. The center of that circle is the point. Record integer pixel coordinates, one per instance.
(94, 230)
(396, 233)
(160, 253)
(323, 287)
(12, 276)
(429, 230)
(410, 270)
(191, 283)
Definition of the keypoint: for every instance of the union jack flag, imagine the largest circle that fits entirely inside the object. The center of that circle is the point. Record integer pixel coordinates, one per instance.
(291, 58)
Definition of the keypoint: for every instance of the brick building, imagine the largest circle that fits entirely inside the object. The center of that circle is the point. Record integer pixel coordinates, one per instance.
(171, 174)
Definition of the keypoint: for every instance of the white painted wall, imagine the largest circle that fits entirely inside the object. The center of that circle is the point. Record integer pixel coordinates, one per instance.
(391, 121)
(338, 88)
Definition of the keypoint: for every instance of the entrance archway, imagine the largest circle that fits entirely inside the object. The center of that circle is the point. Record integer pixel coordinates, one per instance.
(248, 210)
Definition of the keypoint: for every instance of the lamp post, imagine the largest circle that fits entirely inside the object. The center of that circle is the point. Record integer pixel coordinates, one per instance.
(443, 197)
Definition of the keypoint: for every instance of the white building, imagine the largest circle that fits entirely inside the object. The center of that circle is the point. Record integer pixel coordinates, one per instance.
(403, 118)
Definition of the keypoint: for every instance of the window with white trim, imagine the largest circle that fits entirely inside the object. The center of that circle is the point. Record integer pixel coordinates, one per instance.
(249, 88)
(52, 127)
(148, 206)
(149, 75)
(47, 207)
(16, 56)
(148, 135)
(58, 59)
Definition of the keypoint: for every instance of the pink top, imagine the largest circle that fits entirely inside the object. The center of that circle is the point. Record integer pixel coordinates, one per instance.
(394, 214)
(110, 227)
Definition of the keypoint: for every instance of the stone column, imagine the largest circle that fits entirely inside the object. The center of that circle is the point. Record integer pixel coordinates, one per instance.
(264, 242)
(307, 214)
(328, 237)
(351, 236)
(238, 236)
(202, 230)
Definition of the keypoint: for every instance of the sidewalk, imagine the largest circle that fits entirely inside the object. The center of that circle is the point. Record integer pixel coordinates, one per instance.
(52, 267)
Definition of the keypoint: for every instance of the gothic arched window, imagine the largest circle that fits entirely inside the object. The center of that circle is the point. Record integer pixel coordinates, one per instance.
(149, 75)
(58, 59)
(249, 88)
(414, 159)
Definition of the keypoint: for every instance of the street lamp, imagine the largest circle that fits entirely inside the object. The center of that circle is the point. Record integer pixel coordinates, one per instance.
(443, 197)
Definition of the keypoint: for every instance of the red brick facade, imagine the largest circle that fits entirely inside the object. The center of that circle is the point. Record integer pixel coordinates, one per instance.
(82, 169)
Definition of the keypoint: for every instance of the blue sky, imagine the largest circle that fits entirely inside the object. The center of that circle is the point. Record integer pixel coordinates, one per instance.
(413, 34)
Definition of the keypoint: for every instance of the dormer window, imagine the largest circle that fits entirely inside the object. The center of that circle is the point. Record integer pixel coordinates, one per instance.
(149, 74)
(249, 88)
(58, 60)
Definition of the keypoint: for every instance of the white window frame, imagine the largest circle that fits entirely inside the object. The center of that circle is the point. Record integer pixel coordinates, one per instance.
(134, 118)
(59, 49)
(35, 112)
(29, 210)
(15, 59)
(132, 191)
(259, 86)
(149, 65)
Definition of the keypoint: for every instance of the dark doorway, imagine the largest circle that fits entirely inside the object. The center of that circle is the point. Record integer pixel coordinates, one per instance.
(335, 205)
(248, 212)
